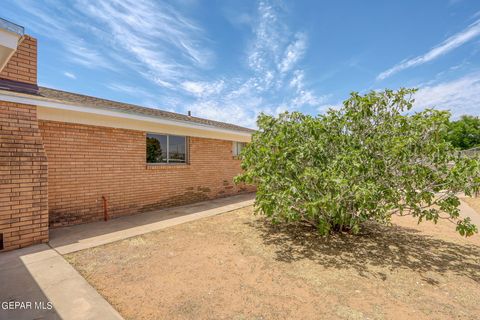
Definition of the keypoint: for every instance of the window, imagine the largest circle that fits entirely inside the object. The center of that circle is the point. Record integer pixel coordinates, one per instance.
(237, 148)
(163, 148)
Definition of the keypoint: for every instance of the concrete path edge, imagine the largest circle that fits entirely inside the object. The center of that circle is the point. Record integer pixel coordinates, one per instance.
(48, 278)
(70, 239)
(40, 273)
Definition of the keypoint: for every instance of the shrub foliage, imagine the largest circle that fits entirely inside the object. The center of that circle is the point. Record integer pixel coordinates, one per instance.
(368, 160)
(464, 133)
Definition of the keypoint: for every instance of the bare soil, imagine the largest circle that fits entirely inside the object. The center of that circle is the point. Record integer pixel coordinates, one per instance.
(473, 202)
(239, 266)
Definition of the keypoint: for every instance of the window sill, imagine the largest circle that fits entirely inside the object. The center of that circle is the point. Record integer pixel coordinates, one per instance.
(167, 166)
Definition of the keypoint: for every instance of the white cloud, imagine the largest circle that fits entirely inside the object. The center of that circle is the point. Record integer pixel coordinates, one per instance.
(226, 111)
(130, 90)
(294, 52)
(443, 48)
(155, 40)
(275, 83)
(460, 96)
(151, 38)
(168, 46)
(48, 21)
(297, 79)
(270, 36)
(70, 75)
(45, 22)
(322, 108)
(203, 88)
(308, 98)
(80, 53)
(237, 19)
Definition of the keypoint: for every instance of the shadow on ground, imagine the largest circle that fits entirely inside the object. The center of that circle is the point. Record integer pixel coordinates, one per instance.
(18, 285)
(72, 238)
(377, 247)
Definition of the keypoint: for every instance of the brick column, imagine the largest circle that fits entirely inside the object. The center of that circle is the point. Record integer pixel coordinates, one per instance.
(22, 66)
(23, 178)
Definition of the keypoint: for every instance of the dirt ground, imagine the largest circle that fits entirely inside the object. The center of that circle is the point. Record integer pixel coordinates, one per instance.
(473, 202)
(238, 266)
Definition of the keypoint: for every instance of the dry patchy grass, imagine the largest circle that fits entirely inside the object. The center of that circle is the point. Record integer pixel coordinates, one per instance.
(239, 266)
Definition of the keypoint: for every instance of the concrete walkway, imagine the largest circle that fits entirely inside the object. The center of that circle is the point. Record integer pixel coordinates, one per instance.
(70, 239)
(37, 276)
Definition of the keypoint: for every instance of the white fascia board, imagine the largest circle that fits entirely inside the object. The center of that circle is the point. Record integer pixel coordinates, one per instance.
(9, 39)
(8, 45)
(117, 114)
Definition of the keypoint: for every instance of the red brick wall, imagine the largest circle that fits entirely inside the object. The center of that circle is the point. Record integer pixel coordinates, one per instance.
(23, 177)
(87, 162)
(22, 66)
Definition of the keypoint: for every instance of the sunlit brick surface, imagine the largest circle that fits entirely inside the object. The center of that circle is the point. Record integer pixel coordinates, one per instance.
(88, 162)
(22, 66)
(23, 177)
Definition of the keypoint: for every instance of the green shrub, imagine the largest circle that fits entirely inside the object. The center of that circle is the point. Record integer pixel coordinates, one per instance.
(464, 133)
(366, 161)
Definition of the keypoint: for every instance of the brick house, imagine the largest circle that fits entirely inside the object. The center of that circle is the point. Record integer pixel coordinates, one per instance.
(64, 156)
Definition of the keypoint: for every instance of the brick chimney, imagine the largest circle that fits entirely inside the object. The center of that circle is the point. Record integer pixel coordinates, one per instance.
(23, 161)
(18, 59)
(22, 65)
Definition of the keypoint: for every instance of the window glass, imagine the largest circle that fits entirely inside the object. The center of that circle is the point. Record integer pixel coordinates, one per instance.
(237, 148)
(156, 148)
(166, 149)
(176, 149)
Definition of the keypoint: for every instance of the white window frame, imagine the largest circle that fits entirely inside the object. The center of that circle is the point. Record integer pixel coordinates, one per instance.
(235, 148)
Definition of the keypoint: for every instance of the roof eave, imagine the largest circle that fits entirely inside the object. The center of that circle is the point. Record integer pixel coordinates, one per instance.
(61, 105)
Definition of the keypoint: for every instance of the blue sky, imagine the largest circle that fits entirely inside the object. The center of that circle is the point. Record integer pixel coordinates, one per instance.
(231, 60)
